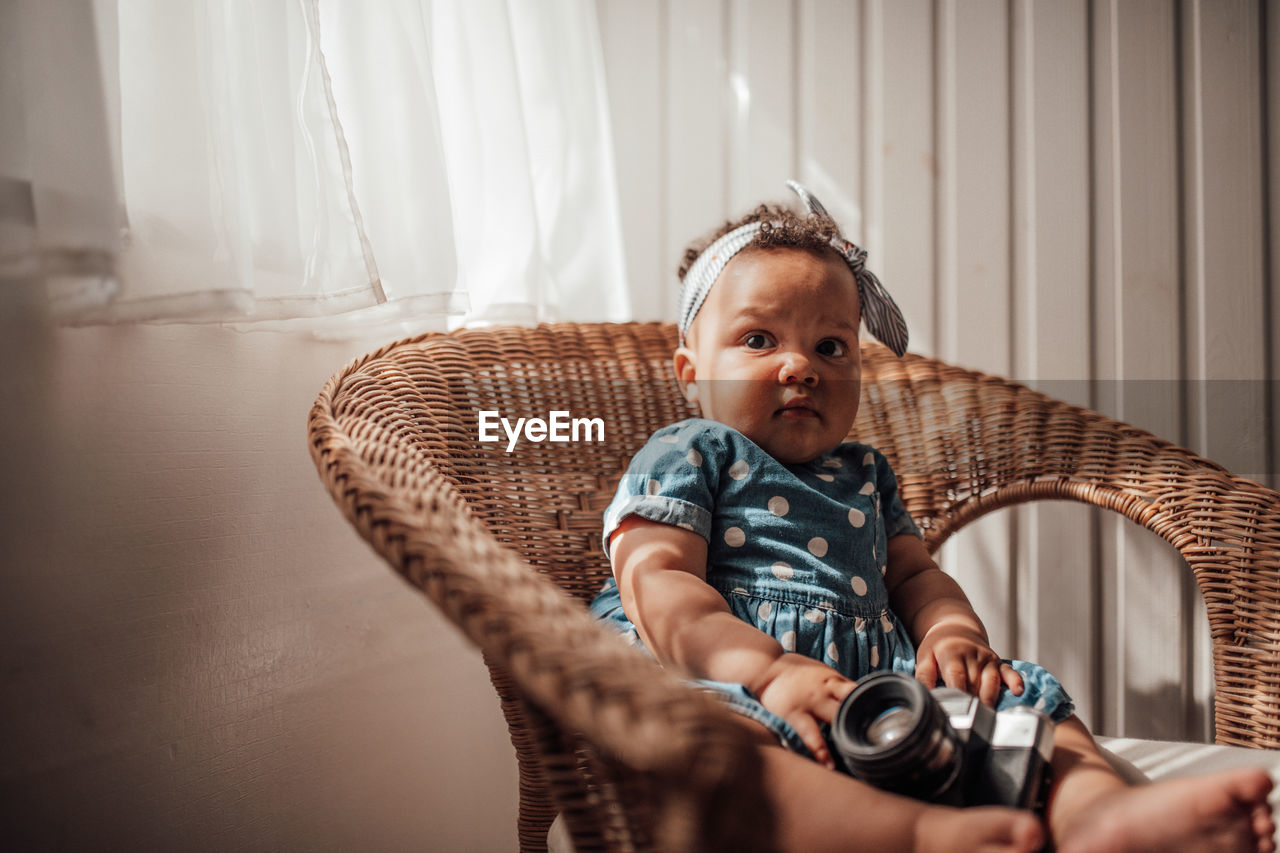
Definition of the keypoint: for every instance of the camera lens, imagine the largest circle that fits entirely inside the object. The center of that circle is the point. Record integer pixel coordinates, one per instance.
(893, 734)
(890, 727)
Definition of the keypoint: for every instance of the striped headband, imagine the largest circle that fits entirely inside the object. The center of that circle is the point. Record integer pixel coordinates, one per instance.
(880, 313)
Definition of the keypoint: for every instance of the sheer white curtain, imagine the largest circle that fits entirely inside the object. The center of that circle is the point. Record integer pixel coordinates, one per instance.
(311, 163)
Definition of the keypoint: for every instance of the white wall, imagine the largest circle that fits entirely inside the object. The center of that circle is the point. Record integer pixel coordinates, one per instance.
(197, 651)
(1075, 193)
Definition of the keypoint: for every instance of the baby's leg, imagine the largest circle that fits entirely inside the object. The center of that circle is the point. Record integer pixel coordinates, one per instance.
(1092, 809)
(818, 810)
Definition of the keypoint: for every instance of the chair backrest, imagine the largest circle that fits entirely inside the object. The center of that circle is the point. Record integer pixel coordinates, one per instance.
(599, 390)
(428, 401)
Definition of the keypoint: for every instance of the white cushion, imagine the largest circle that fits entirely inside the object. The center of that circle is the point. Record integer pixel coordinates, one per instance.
(1157, 759)
(1138, 760)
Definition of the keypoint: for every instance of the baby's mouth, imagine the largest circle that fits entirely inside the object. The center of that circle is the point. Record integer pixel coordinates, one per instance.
(800, 408)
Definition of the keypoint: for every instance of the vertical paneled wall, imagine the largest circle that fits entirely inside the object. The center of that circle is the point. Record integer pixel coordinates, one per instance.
(1078, 194)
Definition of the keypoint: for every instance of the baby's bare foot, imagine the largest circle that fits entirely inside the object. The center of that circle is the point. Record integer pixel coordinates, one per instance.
(1225, 812)
(978, 830)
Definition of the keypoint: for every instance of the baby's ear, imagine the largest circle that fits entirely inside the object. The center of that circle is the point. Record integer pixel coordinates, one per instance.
(686, 371)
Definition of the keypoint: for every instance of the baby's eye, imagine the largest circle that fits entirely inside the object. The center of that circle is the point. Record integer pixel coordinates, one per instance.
(831, 348)
(757, 340)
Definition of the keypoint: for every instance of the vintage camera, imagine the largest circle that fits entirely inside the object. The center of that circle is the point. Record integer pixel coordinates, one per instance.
(943, 745)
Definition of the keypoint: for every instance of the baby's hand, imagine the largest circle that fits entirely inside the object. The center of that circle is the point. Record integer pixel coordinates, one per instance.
(805, 693)
(961, 657)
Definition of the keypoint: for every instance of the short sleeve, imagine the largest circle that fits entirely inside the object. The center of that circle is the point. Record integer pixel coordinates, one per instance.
(896, 518)
(672, 480)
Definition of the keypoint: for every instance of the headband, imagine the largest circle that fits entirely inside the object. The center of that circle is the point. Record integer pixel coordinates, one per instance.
(880, 313)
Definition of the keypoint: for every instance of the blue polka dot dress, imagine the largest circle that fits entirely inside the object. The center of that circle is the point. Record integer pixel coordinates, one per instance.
(796, 550)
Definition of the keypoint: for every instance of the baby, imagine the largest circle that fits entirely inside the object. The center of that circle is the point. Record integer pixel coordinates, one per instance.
(758, 550)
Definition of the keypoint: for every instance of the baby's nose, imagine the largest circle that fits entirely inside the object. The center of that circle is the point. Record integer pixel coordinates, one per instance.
(796, 369)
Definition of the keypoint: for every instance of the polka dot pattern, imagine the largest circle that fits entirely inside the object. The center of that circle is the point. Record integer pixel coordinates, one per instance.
(793, 548)
(797, 551)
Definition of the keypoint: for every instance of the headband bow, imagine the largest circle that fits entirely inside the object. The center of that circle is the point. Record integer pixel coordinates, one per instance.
(880, 313)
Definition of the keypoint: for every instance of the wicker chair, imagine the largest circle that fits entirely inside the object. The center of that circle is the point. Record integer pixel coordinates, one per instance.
(507, 545)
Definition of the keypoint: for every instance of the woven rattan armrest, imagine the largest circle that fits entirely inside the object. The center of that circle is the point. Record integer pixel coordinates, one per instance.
(663, 760)
(1228, 531)
(967, 444)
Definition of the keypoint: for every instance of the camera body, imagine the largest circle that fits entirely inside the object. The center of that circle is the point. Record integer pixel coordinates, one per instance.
(943, 745)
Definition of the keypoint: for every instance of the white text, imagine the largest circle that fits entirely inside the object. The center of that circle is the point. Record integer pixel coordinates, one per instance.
(558, 426)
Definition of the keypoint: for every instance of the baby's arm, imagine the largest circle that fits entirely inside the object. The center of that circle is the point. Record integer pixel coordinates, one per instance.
(950, 639)
(661, 574)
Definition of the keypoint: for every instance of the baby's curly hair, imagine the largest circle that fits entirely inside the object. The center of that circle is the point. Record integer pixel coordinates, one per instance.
(781, 228)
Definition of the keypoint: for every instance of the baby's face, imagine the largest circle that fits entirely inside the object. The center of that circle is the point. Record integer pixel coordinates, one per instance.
(774, 351)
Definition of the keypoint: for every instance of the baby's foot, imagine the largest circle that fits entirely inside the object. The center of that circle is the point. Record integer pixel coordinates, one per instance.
(1224, 812)
(978, 830)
